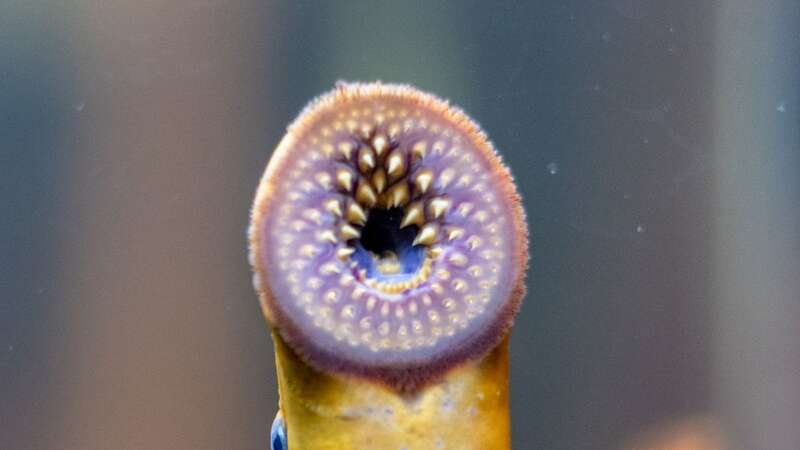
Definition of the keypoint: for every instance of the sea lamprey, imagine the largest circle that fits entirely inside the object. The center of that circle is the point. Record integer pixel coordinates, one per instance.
(388, 243)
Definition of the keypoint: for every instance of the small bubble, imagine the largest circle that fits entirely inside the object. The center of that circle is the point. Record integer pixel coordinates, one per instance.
(79, 106)
(606, 37)
(640, 228)
(781, 107)
(645, 140)
(552, 168)
(11, 348)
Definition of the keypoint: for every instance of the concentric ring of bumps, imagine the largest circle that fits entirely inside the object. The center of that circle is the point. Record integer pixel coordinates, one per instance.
(360, 150)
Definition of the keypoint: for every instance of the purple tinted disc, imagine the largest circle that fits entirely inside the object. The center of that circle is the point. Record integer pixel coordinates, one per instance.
(387, 237)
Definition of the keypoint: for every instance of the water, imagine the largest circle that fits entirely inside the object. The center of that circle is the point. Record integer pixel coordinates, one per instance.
(133, 135)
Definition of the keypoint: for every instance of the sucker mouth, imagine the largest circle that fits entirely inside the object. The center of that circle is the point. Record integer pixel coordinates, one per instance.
(388, 224)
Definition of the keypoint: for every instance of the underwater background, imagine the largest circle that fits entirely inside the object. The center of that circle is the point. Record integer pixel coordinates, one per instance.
(655, 144)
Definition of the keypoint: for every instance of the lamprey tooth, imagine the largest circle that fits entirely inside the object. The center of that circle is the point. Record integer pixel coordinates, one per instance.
(398, 194)
(356, 214)
(454, 233)
(446, 177)
(380, 144)
(365, 195)
(423, 180)
(413, 215)
(349, 232)
(329, 269)
(419, 149)
(438, 206)
(458, 259)
(465, 208)
(327, 236)
(346, 149)
(427, 235)
(394, 130)
(366, 130)
(344, 179)
(333, 206)
(379, 180)
(436, 251)
(324, 180)
(366, 159)
(395, 164)
(344, 253)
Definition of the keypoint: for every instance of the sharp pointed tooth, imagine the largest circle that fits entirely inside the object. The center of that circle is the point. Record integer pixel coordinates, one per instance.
(394, 130)
(458, 259)
(349, 232)
(436, 251)
(380, 144)
(465, 208)
(345, 252)
(395, 164)
(366, 159)
(413, 215)
(398, 194)
(423, 180)
(366, 130)
(446, 176)
(329, 269)
(334, 207)
(365, 195)
(455, 233)
(427, 235)
(346, 149)
(324, 180)
(356, 214)
(327, 236)
(419, 149)
(379, 180)
(438, 206)
(344, 179)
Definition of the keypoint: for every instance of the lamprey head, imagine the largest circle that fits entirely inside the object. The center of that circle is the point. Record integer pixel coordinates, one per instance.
(387, 238)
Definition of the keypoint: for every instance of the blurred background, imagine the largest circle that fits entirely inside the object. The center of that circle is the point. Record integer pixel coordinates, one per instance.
(656, 145)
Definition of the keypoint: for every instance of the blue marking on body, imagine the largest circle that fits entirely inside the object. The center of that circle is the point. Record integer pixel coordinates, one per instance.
(277, 435)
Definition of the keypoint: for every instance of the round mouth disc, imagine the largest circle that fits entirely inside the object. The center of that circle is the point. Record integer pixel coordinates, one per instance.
(387, 238)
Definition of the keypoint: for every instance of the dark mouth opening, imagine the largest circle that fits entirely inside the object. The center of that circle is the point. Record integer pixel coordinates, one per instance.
(385, 250)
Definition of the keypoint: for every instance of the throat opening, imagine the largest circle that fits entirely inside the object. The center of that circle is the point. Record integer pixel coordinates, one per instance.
(385, 250)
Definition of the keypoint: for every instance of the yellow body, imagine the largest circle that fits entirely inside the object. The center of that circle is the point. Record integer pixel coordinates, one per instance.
(465, 410)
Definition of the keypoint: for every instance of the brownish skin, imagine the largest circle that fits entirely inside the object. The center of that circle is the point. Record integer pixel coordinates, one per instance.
(466, 410)
(457, 401)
